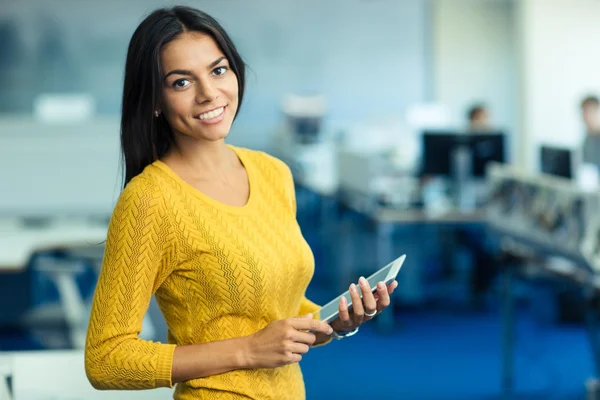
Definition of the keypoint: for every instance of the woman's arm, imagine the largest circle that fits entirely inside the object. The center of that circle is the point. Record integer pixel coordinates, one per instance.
(206, 359)
(140, 249)
(279, 343)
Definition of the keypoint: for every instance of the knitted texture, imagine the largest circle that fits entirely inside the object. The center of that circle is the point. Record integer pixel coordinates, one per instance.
(217, 272)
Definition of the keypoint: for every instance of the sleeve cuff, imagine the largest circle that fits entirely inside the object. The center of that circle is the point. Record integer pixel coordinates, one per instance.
(164, 366)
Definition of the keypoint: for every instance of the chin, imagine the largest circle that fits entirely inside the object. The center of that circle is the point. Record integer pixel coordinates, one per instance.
(217, 138)
(207, 133)
(213, 136)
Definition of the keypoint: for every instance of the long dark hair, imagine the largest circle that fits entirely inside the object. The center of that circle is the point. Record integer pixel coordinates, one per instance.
(144, 137)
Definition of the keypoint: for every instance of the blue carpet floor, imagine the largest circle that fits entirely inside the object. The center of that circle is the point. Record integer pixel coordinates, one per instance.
(446, 355)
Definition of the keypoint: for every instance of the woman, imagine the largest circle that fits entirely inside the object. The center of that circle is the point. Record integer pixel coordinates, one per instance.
(208, 228)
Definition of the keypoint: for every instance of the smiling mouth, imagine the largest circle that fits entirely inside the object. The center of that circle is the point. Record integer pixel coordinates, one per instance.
(211, 114)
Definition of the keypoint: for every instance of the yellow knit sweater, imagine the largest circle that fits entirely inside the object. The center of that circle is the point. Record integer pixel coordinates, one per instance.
(217, 271)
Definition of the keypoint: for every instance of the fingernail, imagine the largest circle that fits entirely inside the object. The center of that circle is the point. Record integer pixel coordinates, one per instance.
(353, 288)
(343, 301)
(362, 280)
(380, 286)
(330, 330)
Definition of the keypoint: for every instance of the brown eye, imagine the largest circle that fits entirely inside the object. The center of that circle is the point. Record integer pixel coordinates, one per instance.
(220, 71)
(181, 83)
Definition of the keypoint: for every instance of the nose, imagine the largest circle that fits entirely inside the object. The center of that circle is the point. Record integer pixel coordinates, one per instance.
(207, 92)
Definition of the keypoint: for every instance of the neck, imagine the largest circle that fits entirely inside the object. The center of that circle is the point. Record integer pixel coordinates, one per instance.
(200, 159)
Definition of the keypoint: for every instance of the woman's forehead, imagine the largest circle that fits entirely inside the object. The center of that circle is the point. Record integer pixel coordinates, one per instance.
(189, 50)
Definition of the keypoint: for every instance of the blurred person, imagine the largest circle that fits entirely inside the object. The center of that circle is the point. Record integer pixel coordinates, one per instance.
(478, 118)
(590, 113)
(208, 228)
(484, 268)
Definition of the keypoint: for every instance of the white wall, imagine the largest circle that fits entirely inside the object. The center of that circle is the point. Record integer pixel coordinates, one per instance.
(560, 63)
(59, 169)
(475, 59)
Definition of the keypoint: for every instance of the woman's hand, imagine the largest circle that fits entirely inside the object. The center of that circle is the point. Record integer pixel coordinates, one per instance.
(369, 304)
(283, 342)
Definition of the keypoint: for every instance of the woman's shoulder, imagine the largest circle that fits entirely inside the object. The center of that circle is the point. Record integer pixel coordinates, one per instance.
(265, 160)
(143, 188)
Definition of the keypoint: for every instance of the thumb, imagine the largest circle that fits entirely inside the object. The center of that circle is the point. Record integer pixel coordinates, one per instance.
(309, 315)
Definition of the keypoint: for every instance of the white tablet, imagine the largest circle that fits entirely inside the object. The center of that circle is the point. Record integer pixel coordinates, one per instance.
(329, 312)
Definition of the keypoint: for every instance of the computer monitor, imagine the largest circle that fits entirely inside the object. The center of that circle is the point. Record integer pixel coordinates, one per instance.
(438, 148)
(556, 161)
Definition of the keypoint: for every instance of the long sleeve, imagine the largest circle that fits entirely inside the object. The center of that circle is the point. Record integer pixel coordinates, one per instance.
(140, 249)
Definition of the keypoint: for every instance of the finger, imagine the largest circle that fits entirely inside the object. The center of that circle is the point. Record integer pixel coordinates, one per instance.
(384, 297)
(298, 348)
(368, 300)
(306, 316)
(305, 338)
(294, 358)
(358, 311)
(344, 313)
(390, 289)
(309, 324)
(392, 286)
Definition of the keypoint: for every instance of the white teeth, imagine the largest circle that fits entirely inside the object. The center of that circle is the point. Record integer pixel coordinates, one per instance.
(212, 114)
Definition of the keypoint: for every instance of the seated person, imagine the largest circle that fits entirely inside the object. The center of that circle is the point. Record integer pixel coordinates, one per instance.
(479, 119)
(590, 112)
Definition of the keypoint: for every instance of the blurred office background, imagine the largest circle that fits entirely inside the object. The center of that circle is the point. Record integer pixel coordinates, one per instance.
(462, 133)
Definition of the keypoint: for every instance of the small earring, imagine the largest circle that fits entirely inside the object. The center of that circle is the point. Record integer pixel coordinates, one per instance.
(156, 113)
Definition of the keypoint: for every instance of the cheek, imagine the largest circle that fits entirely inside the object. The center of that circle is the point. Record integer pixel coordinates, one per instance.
(232, 94)
(175, 104)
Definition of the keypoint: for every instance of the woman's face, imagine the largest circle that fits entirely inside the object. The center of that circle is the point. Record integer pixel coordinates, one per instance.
(200, 91)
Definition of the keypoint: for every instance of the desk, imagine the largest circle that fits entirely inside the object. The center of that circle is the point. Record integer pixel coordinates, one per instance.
(18, 243)
(385, 221)
(420, 216)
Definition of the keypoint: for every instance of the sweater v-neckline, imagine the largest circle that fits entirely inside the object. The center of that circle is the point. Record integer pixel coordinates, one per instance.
(210, 200)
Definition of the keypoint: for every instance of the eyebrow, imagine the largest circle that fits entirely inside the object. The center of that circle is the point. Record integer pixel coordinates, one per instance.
(190, 73)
